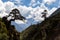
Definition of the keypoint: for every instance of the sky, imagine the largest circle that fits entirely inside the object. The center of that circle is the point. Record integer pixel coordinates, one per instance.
(30, 9)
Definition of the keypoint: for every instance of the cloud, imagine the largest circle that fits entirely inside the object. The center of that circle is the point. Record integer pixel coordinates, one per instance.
(8, 6)
(49, 1)
(24, 10)
(1, 3)
(34, 3)
(33, 15)
(16, 1)
(2, 9)
(30, 12)
(19, 22)
(36, 12)
(3, 14)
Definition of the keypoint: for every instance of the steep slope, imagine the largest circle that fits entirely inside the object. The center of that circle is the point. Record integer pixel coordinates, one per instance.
(49, 29)
(3, 31)
(7, 31)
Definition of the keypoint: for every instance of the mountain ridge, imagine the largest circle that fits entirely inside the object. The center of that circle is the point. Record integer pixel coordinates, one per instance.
(46, 30)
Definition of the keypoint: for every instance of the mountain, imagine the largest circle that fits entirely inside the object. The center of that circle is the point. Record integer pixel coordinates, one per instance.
(48, 29)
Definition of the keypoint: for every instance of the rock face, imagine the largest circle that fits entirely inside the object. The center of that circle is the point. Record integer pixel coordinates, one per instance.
(49, 29)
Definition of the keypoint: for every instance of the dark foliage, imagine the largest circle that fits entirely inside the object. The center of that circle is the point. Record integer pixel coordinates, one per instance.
(12, 33)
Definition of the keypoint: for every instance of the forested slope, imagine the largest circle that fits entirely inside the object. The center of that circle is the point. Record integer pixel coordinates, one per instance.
(7, 31)
(49, 29)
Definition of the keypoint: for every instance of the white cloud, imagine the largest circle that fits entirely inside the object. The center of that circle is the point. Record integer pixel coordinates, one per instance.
(16, 1)
(29, 16)
(19, 22)
(25, 11)
(2, 6)
(43, 6)
(3, 14)
(36, 12)
(1, 3)
(33, 15)
(5, 8)
(2, 9)
(48, 1)
(34, 3)
(8, 6)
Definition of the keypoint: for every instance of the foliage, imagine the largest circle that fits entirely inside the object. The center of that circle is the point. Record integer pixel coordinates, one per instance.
(7, 31)
(3, 31)
(3, 36)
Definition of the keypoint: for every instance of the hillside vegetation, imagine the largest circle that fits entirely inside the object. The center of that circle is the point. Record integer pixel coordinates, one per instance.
(49, 29)
(8, 32)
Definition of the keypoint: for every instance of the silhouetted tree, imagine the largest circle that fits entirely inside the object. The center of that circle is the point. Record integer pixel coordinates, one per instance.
(13, 34)
(44, 14)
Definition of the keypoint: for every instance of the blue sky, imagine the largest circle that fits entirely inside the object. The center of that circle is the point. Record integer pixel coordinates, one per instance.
(30, 9)
(27, 2)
